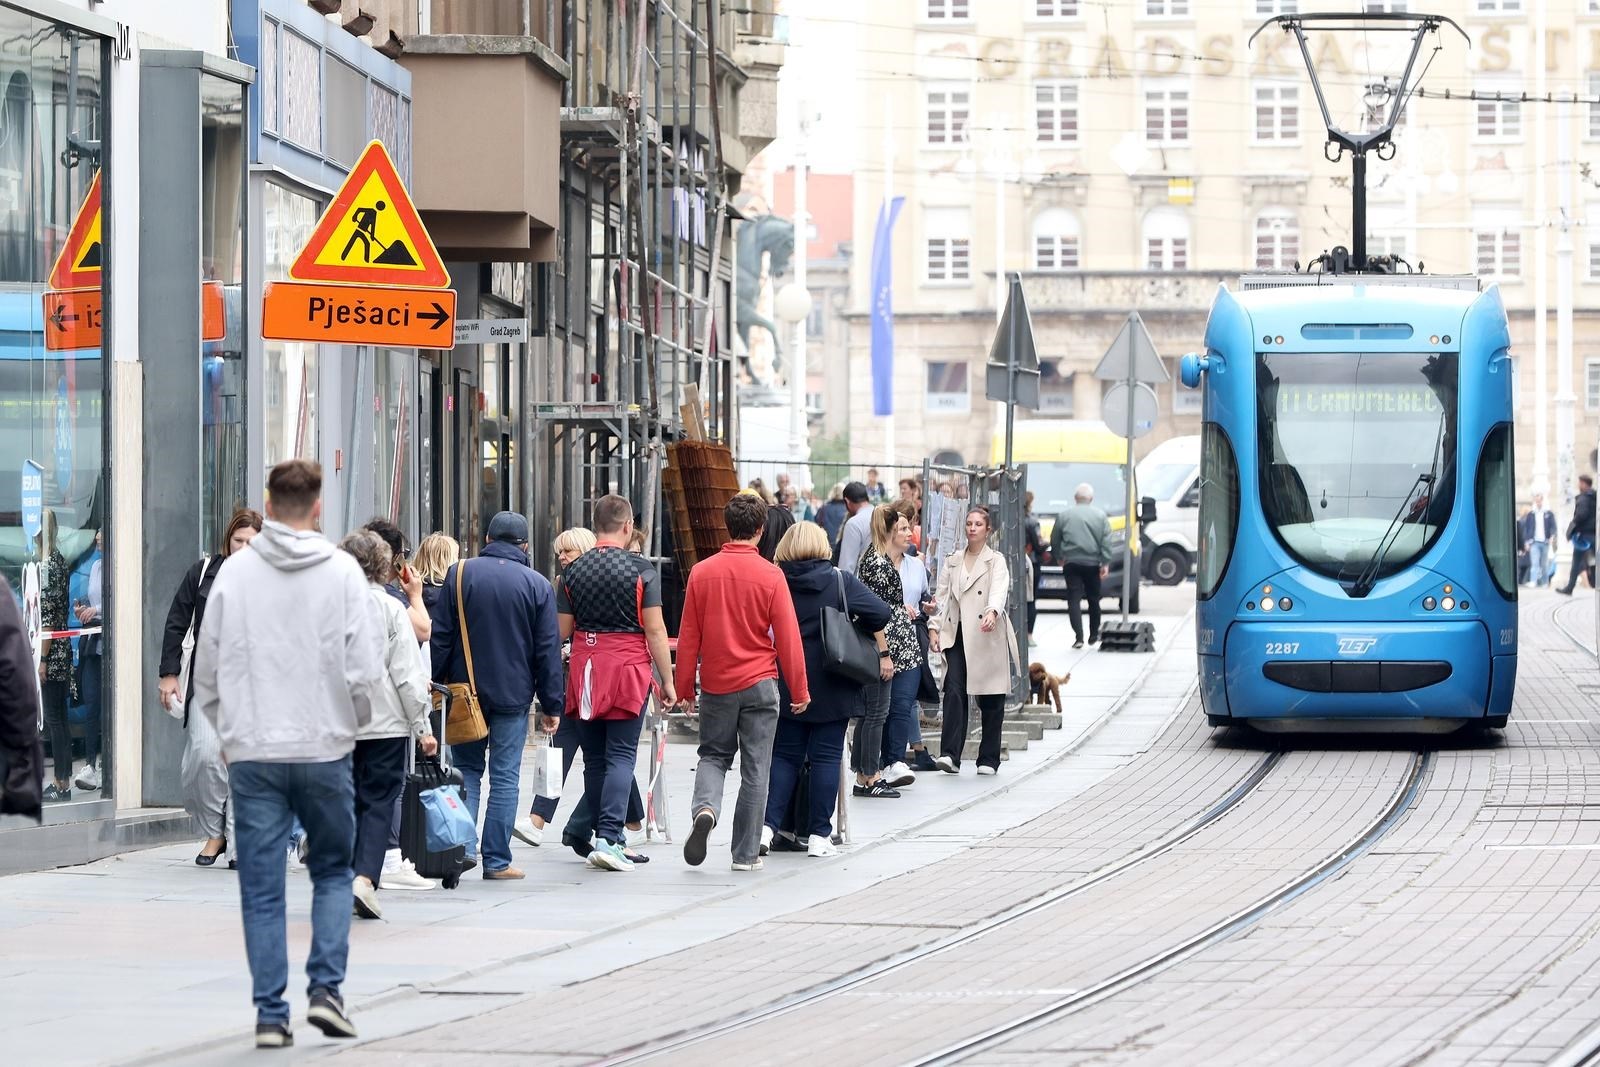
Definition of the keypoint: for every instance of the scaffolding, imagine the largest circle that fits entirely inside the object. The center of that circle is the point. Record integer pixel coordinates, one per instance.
(635, 314)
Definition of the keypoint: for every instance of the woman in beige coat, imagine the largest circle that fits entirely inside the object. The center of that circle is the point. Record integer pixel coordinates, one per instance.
(979, 643)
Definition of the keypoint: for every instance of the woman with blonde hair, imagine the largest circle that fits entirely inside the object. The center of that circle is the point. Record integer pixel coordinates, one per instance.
(978, 641)
(817, 736)
(433, 560)
(896, 696)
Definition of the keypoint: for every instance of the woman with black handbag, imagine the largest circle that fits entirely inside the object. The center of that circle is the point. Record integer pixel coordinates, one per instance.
(816, 736)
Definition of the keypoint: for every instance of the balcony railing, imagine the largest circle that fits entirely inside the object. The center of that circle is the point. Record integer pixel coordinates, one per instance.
(1120, 290)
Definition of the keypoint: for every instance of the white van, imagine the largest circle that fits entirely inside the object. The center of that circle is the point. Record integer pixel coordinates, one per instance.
(1171, 475)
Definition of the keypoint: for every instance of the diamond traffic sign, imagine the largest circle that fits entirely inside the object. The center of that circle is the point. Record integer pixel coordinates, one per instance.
(1132, 355)
(371, 233)
(78, 263)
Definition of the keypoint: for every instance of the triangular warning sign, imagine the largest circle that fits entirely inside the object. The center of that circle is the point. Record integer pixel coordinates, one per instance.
(371, 233)
(78, 263)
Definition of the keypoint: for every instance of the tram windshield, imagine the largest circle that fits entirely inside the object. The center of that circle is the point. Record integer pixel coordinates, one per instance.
(1357, 455)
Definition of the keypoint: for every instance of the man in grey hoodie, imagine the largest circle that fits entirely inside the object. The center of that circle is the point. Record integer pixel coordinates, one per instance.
(287, 663)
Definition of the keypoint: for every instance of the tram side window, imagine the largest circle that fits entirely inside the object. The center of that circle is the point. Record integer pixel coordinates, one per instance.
(1219, 508)
(1497, 509)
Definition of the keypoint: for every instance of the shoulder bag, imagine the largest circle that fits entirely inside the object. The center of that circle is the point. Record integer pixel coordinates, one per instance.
(846, 651)
(463, 718)
(178, 709)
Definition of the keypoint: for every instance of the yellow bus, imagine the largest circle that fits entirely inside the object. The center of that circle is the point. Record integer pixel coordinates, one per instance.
(1060, 455)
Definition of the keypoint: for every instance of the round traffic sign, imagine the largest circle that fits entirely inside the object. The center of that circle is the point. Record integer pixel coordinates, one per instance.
(1114, 409)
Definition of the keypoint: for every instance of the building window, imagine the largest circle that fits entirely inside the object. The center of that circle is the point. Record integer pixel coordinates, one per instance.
(1056, 239)
(1166, 240)
(948, 391)
(1165, 9)
(1499, 119)
(1381, 6)
(1594, 261)
(1277, 241)
(267, 77)
(949, 9)
(1166, 115)
(1277, 113)
(1594, 96)
(1269, 8)
(1591, 384)
(301, 115)
(949, 109)
(1499, 253)
(1055, 9)
(1387, 244)
(1055, 112)
(949, 259)
(1497, 7)
(1055, 389)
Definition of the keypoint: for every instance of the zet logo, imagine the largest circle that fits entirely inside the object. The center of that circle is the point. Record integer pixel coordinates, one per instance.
(1356, 646)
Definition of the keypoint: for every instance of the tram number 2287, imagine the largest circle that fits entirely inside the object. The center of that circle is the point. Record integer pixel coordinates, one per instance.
(1283, 648)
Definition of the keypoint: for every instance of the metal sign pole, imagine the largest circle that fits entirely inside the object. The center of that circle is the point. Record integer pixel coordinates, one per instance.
(1130, 524)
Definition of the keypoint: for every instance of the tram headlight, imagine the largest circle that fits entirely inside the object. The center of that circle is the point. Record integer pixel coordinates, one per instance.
(1266, 603)
(1428, 603)
(1448, 603)
(1285, 603)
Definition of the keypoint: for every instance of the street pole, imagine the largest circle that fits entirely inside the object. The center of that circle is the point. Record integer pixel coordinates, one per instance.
(799, 443)
(1541, 253)
(1130, 524)
(1013, 343)
(1565, 401)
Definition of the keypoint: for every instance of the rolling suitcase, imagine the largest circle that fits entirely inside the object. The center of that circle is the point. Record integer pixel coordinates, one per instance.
(421, 775)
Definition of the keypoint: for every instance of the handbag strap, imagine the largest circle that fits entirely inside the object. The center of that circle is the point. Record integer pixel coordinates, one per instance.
(844, 603)
(461, 620)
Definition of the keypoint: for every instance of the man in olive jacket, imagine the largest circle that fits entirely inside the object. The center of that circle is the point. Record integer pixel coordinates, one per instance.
(1082, 542)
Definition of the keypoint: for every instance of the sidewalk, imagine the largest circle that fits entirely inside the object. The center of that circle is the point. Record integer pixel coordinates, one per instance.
(141, 952)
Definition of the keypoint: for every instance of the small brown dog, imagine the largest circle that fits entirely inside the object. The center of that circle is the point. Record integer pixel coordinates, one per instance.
(1041, 681)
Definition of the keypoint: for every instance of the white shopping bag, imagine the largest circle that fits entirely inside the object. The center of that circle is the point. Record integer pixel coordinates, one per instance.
(547, 770)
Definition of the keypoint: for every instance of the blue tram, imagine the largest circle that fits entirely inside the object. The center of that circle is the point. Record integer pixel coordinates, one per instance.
(1357, 553)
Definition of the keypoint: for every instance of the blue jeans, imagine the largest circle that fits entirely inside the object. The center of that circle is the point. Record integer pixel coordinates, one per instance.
(1539, 562)
(508, 732)
(610, 751)
(902, 727)
(267, 797)
(797, 741)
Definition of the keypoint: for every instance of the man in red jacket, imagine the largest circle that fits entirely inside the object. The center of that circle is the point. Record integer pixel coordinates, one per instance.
(738, 628)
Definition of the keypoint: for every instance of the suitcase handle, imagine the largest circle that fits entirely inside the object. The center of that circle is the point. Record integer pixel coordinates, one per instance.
(436, 723)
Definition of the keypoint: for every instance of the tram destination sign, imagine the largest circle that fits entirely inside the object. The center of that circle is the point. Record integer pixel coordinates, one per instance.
(359, 315)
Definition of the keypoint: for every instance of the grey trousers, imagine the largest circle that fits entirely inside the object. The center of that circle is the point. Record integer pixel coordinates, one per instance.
(205, 780)
(745, 722)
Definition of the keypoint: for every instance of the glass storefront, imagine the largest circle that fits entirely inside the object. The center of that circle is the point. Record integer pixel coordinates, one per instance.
(52, 387)
(289, 368)
(225, 319)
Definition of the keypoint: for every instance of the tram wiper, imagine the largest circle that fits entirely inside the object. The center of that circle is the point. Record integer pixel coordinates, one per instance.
(1369, 574)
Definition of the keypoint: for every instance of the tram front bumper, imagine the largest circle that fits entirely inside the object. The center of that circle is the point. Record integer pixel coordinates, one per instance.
(1342, 670)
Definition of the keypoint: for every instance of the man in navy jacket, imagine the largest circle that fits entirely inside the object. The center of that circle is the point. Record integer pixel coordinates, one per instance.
(515, 645)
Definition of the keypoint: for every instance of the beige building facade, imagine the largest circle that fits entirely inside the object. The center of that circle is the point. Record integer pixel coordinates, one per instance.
(1135, 156)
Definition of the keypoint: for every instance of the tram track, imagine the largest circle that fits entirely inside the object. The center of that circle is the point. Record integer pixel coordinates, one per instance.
(1559, 617)
(854, 980)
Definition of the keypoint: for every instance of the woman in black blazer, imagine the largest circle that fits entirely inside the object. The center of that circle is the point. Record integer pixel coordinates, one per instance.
(817, 734)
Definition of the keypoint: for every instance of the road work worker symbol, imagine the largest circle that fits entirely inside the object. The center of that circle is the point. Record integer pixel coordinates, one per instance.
(394, 253)
(371, 233)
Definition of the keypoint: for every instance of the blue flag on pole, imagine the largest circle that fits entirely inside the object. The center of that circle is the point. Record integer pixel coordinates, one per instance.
(883, 308)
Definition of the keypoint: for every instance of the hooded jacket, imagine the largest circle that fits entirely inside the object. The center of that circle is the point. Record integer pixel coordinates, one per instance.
(814, 585)
(400, 706)
(511, 625)
(291, 650)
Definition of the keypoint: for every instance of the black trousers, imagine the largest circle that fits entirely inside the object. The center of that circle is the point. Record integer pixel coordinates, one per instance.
(1083, 580)
(54, 695)
(991, 706)
(1580, 565)
(379, 767)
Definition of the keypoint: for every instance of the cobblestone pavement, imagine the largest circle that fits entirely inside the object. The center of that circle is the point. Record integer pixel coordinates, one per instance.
(1123, 892)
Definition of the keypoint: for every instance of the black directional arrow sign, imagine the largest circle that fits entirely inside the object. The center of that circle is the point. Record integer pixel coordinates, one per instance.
(359, 314)
(59, 318)
(439, 316)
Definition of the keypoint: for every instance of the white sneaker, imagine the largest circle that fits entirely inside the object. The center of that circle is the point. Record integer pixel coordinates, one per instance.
(756, 866)
(405, 877)
(819, 846)
(766, 840)
(898, 775)
(367, 899)
(982, 770)
(526, 832)
(88, 778)
(947, 765)
(634, 838)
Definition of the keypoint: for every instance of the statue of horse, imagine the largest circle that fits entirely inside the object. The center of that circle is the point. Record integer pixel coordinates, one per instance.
(765, 234)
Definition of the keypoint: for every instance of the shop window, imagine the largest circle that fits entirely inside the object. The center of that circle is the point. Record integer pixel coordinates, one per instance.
(290, 411)
(948, 390)
(221, 252)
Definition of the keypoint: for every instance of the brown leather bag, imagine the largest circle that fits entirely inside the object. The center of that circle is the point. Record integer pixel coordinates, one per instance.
(463, 719)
